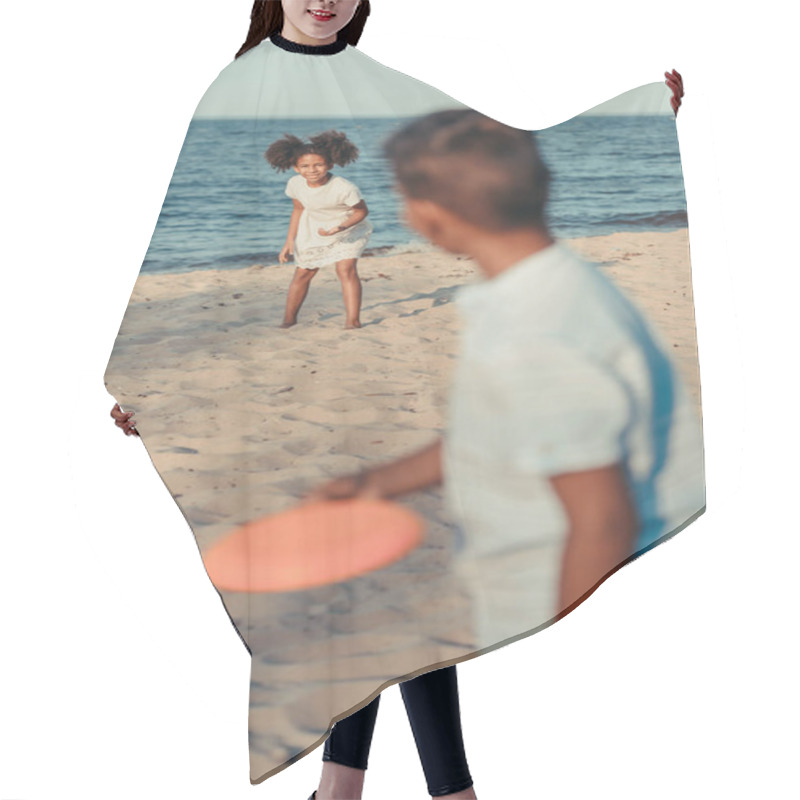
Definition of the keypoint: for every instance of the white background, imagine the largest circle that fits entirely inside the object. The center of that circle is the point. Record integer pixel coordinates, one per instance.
(121, 674)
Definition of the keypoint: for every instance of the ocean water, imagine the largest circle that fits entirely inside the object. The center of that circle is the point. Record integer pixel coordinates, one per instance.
(226, 208)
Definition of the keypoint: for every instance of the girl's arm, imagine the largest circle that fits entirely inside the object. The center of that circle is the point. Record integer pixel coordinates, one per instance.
(354, 216)
(294, 222)
(603, 526)
(356, 213)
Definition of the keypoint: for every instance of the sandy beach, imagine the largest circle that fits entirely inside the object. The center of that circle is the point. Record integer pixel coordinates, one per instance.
(227, 401)
(242, 418)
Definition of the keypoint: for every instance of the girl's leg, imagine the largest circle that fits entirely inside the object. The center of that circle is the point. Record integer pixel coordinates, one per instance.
(433, 710)
(298, 289)
(351, 291)
(346, 753)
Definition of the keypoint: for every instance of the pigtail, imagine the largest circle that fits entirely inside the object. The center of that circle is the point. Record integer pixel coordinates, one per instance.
(283, 153)
(335, 146)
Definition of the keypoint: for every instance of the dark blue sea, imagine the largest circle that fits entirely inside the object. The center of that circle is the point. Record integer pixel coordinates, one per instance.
(226, 208)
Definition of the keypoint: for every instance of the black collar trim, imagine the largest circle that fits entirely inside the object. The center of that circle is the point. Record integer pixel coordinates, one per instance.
(308, 49)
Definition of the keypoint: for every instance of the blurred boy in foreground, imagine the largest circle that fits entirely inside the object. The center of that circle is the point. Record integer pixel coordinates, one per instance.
(570, 444)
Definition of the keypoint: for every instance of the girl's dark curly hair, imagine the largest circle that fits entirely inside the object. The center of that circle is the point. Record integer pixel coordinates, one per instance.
(333, 146)
(266, 18)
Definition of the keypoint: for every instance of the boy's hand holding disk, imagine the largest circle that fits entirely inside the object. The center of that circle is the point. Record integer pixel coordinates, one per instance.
(344, 529)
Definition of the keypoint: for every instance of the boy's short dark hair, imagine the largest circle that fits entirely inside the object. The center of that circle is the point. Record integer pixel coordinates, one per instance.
(481, 170)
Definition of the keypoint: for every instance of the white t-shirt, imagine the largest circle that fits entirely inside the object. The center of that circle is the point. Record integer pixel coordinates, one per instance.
(558, 372)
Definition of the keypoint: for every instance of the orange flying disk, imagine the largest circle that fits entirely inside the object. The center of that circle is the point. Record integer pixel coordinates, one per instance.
(313, 545)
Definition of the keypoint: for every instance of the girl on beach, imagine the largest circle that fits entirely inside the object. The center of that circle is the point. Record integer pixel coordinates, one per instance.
(328, 223)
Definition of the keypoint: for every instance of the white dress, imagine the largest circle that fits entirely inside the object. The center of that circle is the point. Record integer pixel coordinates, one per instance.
(326, 207)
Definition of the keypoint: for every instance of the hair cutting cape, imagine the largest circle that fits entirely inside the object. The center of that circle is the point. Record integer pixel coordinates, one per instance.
(242, 419)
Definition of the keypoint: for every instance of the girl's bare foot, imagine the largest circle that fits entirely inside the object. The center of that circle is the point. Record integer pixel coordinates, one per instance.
(288, 323)
(350, 325)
